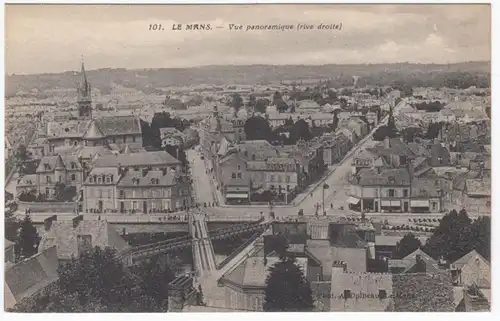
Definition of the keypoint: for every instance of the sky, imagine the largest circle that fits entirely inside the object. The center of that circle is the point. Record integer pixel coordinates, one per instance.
(53, 38)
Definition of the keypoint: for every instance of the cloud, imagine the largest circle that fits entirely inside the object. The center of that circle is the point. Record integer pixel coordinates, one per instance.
(52, 38)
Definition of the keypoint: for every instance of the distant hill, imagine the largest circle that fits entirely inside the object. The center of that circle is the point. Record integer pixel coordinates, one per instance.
(340, 75)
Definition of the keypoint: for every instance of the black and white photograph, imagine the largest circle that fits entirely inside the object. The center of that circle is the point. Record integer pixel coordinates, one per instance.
(247, 158)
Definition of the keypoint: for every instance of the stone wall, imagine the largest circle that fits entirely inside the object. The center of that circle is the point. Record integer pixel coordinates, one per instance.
(47, 207)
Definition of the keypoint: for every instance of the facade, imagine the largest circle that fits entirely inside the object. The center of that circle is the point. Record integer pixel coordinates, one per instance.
(171, 136)
(51, 171)
(393, 190)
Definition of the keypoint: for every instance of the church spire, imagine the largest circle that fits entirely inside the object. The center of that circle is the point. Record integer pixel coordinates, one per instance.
(84, 95)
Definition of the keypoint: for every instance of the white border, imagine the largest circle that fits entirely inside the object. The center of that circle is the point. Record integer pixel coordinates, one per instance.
(296, 316)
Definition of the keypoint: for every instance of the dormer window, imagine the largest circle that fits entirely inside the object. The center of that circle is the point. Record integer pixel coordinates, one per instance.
(91, 179)
(46, 167)
(99, 180)
(108, 179)
(73, 165)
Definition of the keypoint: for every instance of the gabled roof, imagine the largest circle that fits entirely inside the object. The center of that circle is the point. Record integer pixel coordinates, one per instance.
(93, 132)
(464, 260)
(30, 276)
(156, 158)
(411, 260)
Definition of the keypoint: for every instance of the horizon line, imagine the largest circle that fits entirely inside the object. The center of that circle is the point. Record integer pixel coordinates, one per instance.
(257, 64)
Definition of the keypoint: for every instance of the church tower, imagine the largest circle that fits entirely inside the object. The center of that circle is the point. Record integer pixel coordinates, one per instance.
(84, 96)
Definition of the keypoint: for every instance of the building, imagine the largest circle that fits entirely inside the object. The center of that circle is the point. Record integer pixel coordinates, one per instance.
(143, 190)
(73, 238)
(51, 171)
(107, 131)
(471, 269)
(393, 190)
(31, 276)
(84, 96)
(158, 160)
(171, 136)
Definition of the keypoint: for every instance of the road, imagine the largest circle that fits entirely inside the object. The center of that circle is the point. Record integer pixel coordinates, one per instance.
(203, 191)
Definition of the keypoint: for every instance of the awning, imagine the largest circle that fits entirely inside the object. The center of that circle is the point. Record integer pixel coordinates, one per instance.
(395, 203)
(237, 196)
(385, 203)
(353, 200)
(420, 203)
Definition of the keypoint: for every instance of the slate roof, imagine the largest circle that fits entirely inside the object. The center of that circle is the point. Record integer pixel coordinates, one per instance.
(64, 236)
(67, 129)
(478, 187)
(409, 262)
(157, 158)
(119, 125)
(51, 163)
(387, 177)
(136, 178)
(30, 276)
(423, 188)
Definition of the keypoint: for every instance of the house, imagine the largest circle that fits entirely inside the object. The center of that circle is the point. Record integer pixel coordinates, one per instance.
(29, 277)
(335, 147)
(171, 136)
(53, 170)
(367, 159)
(471, 269)
(152, 191)
(359, 292)
(73, 238)
(472, 194)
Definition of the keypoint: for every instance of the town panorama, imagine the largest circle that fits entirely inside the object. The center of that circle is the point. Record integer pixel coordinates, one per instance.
(249, 188)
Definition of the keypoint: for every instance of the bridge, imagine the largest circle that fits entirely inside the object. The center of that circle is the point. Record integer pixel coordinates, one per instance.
(199, 234)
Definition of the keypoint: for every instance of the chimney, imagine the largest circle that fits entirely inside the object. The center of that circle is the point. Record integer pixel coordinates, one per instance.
(76, 220)
(47, 223)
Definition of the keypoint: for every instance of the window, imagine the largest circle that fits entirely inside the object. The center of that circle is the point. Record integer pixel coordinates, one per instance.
(114, 140)
(100, 193)
(347, 294)
(382, 294)
(60, 179)
(233, 175)
(434, 206)
(108, 179)
(287, 178)
(133, 139)
(122, 193)
(405, 193)
(239, 175)
(73, 177)
(375, 192)
(239, 167)
(99, 180)
(124, 139)
(253, 157)
(49, 180)
(391, 193)
(271, 178)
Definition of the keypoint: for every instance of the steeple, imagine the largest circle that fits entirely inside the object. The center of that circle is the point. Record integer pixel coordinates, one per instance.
(84, 95)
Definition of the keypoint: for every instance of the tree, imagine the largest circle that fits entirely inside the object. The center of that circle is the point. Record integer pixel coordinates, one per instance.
(236, 103)
(281, 106)
(260, 106)
(257, 128)
(277, 98)
(28, 238)
(480, 236)
(98, 282)
(287, 289)
(12, 225)
(300, 130)
(408, 244)
(451, 239)
(21, 154)
(251, 101)
(410, 133)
